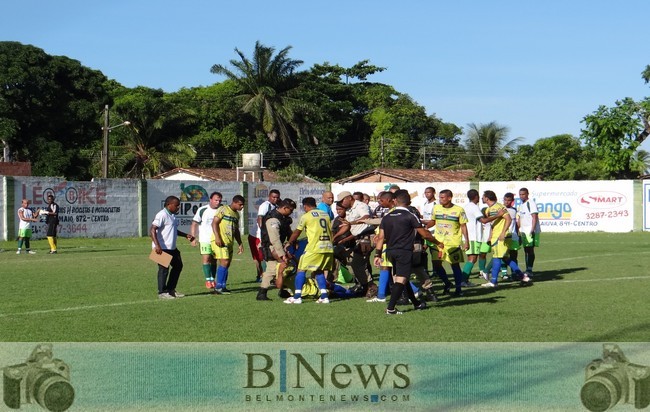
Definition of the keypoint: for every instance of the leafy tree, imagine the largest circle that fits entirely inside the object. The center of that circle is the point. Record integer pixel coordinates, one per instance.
(640, 162)
(49, 109)
(559, 157)
(615, 133)
(268, 83)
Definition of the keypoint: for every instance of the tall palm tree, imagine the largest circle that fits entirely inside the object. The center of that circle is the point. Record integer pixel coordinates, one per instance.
(268, 83)
(487, 142)
(640, 162)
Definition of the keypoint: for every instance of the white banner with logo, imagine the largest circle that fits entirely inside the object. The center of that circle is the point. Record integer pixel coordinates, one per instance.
(105, 208)
(576, 206)
(193, 194)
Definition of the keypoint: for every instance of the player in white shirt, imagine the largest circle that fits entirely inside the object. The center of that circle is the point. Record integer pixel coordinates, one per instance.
(203, 222)
(529, 228)
(475, 233)
(255, 242)
(26, 217)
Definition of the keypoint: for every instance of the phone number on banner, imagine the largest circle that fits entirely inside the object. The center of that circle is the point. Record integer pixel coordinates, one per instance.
(607, 215)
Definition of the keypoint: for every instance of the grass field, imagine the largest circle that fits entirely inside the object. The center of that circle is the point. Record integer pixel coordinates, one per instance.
(588, 287)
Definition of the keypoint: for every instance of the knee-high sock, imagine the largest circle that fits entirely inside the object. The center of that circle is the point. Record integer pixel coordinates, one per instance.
(20, 243)
(221, 277)
(395, 294)
(322, 285)
(414, 287)
(496, 267)
(52, 243)
(411, 296)
(467, 270)
(458, 275)
(442, 274)
(384, 280)
(207, 271)
(299, 283)
(530, 259)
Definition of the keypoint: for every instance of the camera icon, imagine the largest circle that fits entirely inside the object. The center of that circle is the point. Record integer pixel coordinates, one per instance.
(612, 380)
(41, 379)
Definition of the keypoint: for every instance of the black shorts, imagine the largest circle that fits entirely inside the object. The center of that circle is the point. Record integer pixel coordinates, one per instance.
(402, 261)
(51, 227)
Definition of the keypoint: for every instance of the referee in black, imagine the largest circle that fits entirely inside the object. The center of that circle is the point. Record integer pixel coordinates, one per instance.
(397, 230)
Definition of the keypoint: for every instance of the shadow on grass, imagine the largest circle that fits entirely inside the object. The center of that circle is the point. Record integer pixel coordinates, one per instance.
(559, 274)
(620, 334)
(482, 296)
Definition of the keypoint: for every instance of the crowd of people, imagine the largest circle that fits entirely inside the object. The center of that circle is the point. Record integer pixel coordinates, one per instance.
(333, 239)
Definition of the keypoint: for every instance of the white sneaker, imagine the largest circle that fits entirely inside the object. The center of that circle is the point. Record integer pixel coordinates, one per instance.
(323, 300)
(31, 252)
(293, 300)
(165, 295)
(484, 275)
(376, 299)
(525, 279)
(18, 252)
(489, 285)
(177, 294)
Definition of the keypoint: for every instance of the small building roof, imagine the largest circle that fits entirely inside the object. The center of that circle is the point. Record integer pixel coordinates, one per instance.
(15, 168)
(409, 175)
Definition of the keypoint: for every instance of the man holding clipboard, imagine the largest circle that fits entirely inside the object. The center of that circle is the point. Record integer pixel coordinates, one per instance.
(163, 233)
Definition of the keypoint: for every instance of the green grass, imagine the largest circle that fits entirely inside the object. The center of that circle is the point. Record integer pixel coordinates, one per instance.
(588, 287)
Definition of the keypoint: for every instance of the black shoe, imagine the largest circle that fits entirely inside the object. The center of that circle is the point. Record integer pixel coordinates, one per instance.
(284, 294)
(430, 296)
(458, 294)
(226, 291)
(421, 306)
(447, 289)
(263, 297)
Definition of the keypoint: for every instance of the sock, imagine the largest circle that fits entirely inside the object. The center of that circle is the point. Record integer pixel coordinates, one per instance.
(458, 275)
(530, 261)
(20, 243)
(442, 274)
(50, 240)
(54, 242)
(481, 264)
(322, 285)
(395, 294)
(207, 271)
(412, 298)
(341, 292)
(384, 280)
(467, 270)
(504, 269)
(515, 269)
(213, 271)
(414, 288)
(496, 266)
(27, 244)
(221, 275)
(488, 268)
(225, 277)
(301, 278)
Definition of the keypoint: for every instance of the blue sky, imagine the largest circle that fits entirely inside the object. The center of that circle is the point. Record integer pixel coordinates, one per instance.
(536, 67)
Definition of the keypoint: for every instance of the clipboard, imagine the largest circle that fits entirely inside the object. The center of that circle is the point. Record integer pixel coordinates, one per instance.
(164, 259)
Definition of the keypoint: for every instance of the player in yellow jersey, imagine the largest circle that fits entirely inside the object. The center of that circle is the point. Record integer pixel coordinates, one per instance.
(225, 230)
(450, 224)
(318, 258)
(499, 240)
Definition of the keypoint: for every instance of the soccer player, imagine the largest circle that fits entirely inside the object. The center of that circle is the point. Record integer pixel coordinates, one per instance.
(52, 221)
(26, 218)
(163, 233)
(529, 228)
(203, 222)
(451, 230)
(254, 242)
(225, 230)
(499, 240)
(318, 258)
(513, 248)
(276, 230)
(398, 229)
(474, 231)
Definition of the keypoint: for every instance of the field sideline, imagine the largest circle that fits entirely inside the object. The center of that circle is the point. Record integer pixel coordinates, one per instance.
(588, 287)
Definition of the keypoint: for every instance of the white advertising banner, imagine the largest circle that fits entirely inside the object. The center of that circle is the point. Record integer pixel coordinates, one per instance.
(193, 194)
(258, 193)
(105, 208)
(416, 190)
(576, 206)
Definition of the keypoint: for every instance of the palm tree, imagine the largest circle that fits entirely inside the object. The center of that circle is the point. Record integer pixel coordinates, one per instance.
(640, 162)
(487, 142)
(267, 83)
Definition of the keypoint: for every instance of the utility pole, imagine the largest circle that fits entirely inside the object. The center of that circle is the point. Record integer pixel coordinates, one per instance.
(105, 131)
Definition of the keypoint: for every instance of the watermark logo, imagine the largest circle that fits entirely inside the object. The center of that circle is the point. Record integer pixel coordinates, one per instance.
(322, 377)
